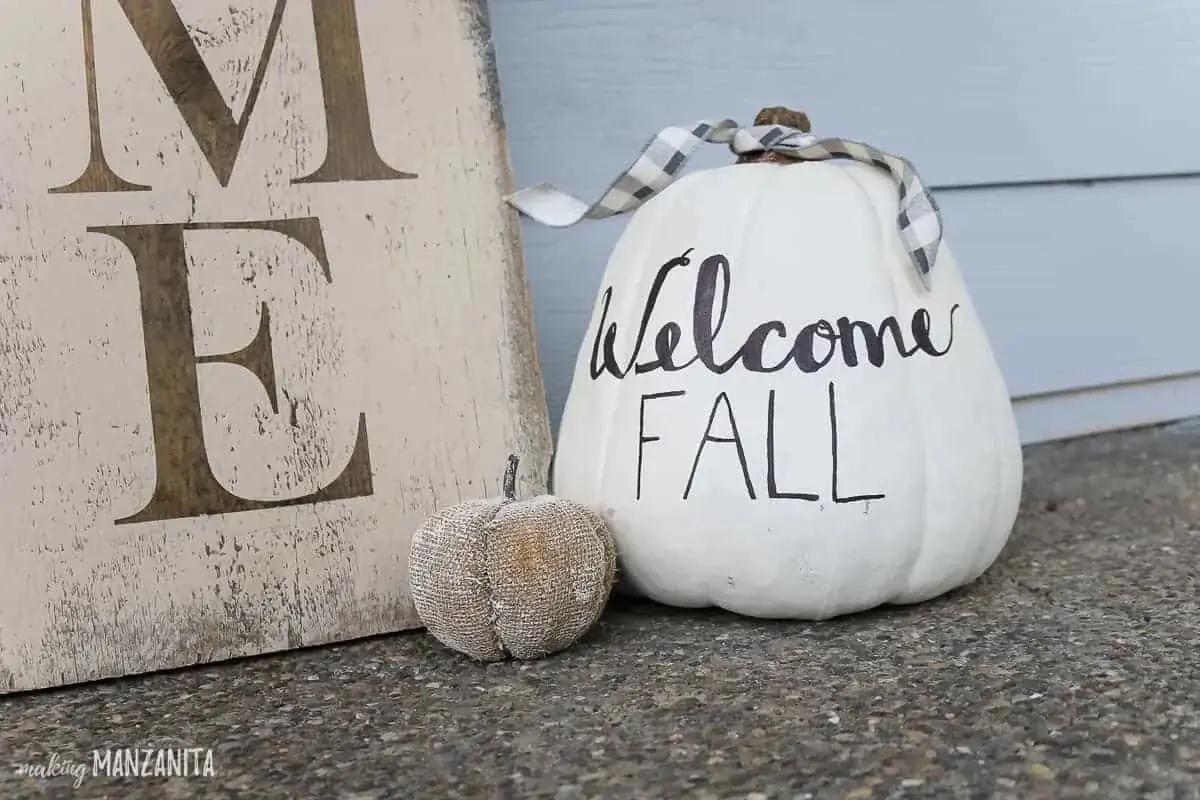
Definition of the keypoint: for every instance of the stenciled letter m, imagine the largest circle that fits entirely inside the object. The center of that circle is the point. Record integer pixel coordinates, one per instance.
(350, 155)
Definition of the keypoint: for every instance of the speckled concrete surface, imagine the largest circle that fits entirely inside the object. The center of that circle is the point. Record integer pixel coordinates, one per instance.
(1070, 669)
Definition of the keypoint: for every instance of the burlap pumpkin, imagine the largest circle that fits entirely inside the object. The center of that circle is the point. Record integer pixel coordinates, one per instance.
(502, 577)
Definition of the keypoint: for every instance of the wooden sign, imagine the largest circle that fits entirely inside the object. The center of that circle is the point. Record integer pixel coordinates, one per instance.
(261, 311)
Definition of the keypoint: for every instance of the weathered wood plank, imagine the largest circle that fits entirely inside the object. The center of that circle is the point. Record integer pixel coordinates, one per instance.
(276, 318)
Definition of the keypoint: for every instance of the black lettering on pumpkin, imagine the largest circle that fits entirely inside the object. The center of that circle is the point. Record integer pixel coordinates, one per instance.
(804, 350)
(811, 349)
(920, 332)
(704, 330)
(772, 486)
(642, 437)
(873, 339)
(734, 438)
(610, 335)
(833, 436)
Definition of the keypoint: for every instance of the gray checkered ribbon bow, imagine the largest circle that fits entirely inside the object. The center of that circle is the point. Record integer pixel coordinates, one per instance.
(663, 158)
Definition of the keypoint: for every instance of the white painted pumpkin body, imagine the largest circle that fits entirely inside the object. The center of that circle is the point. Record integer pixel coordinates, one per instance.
(934, 434)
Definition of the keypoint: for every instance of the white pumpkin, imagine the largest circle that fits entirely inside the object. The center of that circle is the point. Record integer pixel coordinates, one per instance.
(844, 440)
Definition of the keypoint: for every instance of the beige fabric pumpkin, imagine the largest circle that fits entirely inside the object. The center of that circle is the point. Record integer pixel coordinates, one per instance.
(503, 577)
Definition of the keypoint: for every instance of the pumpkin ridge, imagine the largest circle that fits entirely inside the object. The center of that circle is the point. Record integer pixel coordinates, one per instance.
(508, 495)
(982, 544)
(660, 204)
(970, 561)
(489, 593)
(1001, 466)
(903, 575)
(886, 228)
(714, 581)
(994, 497)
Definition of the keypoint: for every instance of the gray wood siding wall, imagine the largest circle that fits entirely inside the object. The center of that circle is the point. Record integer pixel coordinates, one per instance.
(1068, 128)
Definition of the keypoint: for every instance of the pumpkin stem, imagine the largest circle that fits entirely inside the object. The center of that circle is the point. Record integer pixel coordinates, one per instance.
(509, 486)
(777, 115)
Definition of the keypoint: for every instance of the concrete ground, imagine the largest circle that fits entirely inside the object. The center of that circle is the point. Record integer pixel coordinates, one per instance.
(1070, 669)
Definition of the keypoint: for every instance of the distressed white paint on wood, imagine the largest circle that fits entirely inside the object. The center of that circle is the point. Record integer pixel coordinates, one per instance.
(424, 330)
(1023, 91)
(996, 91)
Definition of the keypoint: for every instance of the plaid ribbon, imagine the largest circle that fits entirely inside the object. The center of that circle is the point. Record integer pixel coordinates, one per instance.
(663, 158)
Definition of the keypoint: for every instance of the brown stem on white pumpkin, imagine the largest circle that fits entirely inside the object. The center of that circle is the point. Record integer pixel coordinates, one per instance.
(509, 487)
(777, 115)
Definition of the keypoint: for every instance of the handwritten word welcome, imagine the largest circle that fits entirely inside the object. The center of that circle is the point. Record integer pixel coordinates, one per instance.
(708, 316)
(812, 348)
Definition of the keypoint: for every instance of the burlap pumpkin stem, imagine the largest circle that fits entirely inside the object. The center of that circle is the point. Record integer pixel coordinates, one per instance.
(502, 577)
